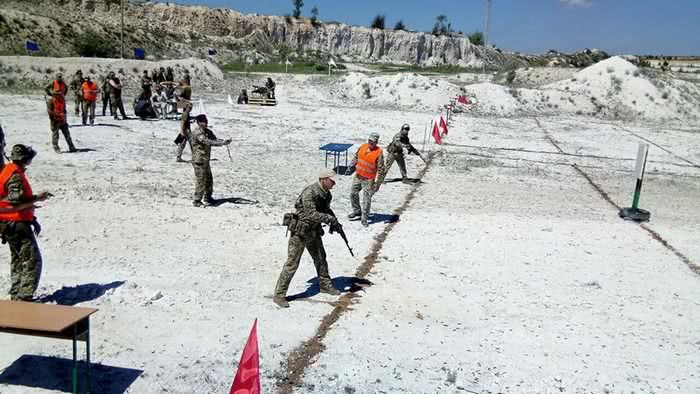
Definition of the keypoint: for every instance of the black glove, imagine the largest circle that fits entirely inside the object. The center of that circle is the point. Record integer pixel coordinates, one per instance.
(335, 227)
(37, 227)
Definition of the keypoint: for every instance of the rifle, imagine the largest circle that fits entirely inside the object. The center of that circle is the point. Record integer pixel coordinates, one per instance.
(338, 228)
(415, 151)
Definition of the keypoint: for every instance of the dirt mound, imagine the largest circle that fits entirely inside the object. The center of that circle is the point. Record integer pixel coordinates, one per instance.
(395, 91)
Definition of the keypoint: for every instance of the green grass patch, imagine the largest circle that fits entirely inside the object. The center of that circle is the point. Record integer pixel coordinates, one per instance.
(296, 68)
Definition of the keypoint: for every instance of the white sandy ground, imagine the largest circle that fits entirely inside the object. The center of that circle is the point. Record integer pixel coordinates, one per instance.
(507, 273)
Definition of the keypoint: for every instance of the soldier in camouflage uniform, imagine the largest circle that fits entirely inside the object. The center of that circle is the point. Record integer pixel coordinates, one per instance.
(313, 207)
(369, 162)
(115, 97)
(395, 150)
(75, 86)
(185, 136)
(106, 93)
(202, 141)
(18, 225)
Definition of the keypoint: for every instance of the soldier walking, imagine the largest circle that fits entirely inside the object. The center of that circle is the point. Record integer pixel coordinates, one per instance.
(368, 161)
(115, 97)
(75, 86)
(56, 107)
(89, 92)
(395, 150)
(18, 225)
(313, 208)
(185, 136)
(106, 90)
(202, 141)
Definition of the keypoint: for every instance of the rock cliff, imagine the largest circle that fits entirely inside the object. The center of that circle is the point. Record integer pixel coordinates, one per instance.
(175, 31)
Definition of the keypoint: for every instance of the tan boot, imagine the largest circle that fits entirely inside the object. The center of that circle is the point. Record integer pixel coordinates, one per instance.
(281, 301)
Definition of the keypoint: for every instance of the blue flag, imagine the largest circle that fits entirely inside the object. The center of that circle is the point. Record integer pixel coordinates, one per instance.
(139, 53)
(32, 46)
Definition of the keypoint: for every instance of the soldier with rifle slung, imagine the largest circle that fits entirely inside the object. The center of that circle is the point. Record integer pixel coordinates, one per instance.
(395, 150)
(313, 208)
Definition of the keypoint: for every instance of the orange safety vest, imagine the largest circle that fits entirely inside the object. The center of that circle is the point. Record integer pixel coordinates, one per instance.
(90, 91)
(9, 213)
(59, 108)
(367, 161)
(59, 87)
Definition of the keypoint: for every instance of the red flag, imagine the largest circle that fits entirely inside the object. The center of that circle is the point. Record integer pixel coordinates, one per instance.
(247, 380)
(443, 124)
(436, 133)
(463, 100)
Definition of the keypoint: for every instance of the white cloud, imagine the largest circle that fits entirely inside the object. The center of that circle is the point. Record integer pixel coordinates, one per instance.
(577, 3)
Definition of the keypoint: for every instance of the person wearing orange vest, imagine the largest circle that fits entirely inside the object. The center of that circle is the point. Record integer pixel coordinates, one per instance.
(89, 92)
(58, 84)
(56, 107)
(368, 162)
(18, 225)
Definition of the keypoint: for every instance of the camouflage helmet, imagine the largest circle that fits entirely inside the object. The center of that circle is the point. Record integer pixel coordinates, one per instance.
(22, 153)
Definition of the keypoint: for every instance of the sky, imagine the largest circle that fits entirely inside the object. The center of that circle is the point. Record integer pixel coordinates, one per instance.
(640, 27)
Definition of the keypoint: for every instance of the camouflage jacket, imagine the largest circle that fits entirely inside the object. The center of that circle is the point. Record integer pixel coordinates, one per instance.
(202, 141)
(76, 84)
(313, 208)
(398, 143)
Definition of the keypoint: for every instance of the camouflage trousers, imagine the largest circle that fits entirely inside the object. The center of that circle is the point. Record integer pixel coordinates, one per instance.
(61, 125)
(105, 105)
(116, 104)
(181, 148)
(297, 243)
(399, 159)
(78, 100)
(89, 109)
(367, 188)
(25, 263)
(203, 181)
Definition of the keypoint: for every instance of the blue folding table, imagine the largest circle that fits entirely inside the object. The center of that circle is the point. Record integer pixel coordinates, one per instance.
(336, 150)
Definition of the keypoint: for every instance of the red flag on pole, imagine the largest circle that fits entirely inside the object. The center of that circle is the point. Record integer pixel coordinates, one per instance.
(443, 124)
(436, 133)
(247, 380)
(463, 100)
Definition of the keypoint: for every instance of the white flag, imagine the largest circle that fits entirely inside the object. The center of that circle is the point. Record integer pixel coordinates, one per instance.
(230, 100)
(331, 63)
(288, 62)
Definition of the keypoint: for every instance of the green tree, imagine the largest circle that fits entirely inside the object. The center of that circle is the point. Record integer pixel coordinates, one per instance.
(400, 25)
(378, 22)
(314, 15)
(442, 26)
(477, 38)
(298, 4)
(91, 44)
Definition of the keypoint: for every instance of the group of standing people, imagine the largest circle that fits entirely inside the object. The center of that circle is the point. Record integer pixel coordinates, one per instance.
(313, 208)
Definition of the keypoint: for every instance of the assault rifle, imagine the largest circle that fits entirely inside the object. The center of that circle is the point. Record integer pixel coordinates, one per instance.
(415, 151)
(338, 228)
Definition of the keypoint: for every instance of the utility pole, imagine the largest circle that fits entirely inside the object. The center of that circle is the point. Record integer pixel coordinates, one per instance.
(121, 36)
(488, 16)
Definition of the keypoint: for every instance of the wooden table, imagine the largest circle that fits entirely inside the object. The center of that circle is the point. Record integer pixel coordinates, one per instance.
(51, 321)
